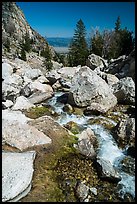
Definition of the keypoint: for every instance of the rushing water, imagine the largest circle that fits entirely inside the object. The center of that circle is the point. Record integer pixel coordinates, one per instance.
(108, 148)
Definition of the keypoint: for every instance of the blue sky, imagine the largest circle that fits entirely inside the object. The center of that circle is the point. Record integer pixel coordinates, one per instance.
(58, 19)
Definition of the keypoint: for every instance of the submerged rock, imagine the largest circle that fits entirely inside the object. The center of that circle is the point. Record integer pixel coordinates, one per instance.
(17, 172)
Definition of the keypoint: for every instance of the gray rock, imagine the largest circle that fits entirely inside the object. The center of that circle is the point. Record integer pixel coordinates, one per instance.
(22, 136)
(17, 172)
(88, 88)
(22, 103)
(106, 170)
(17, 133)
(26, 90)
(68, 108)
(8, 103)
(94, 61)
(82, 191)
(10, 92)
(93, 190)
(7, 70)
(124, 90)
(86, 140)
(125, 132)
(32, 73)
(39, 97)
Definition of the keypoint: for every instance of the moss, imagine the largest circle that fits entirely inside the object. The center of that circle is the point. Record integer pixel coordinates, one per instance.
(101, 121)
(45, 187)
(36, 112)
(73, 127)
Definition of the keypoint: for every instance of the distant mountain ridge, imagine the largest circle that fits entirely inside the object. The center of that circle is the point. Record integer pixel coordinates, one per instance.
(59, 41)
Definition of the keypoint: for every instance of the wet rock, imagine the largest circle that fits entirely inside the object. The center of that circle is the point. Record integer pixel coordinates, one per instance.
(128, 165)
(106, 170)
(124, 90)
(104, 121)
(131, 151)
(88, 88)
(125, 132)
(86, 140)
(63, 98)
(17, 172)
(95, 109)
(68, 108)
(73, 127)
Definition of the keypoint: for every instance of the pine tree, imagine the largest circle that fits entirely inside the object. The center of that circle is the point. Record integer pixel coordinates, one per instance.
(23, 55)
(78, 47)
(97, 44)
(117, 24)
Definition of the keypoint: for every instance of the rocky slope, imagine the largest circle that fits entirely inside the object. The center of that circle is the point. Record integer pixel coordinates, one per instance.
(14, 27)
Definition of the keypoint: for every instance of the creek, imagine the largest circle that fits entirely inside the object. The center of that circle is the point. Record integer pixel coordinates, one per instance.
(107, 148)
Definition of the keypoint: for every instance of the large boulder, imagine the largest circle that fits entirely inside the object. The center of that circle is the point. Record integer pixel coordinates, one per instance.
(17, 173)
(124, 90)
(88, 88)
(63, 75)
(19, 134)
(95, 61)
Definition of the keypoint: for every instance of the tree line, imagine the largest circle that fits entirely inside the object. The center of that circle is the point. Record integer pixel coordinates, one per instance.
(107, 44)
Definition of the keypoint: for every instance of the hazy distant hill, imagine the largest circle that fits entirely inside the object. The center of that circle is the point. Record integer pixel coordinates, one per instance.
(59, 42)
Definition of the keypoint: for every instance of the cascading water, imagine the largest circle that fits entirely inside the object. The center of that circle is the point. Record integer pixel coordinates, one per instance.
(108, 148)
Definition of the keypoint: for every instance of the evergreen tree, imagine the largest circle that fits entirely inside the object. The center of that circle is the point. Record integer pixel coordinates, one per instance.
(112, 44)
(47, 58)
(97, 44)
(117, 24)
(26, 43)
(23, 55)
(78, 47)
